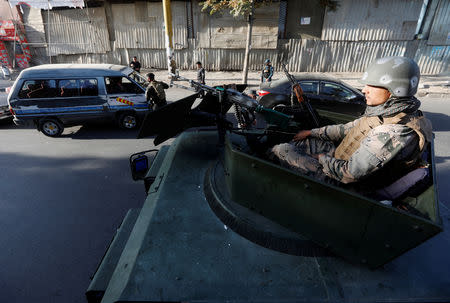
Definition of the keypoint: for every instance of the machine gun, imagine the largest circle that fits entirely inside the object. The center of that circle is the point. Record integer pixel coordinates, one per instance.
(245, 106)
(301, 98)
(172, 119)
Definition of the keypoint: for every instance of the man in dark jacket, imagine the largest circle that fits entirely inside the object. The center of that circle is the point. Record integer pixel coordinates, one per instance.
(200, 73)
(135, 65)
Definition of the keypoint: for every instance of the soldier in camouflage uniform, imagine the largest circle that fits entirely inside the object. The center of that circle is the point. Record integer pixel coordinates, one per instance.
(380, 146)
(155, 95)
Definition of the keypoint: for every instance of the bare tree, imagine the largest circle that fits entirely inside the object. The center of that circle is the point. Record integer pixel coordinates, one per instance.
(237, 8)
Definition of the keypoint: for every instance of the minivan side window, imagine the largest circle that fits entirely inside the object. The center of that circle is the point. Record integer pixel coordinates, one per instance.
(121, 85)
(77, 87)
(38, 89)
(88, 87)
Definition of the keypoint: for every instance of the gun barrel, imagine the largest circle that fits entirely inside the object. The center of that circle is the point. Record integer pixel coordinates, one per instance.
(236, 97)
(300, 97)
(232, 94)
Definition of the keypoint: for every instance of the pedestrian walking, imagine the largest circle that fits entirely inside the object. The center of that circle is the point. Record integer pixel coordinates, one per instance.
(267, 72)
(135, 65)
(200, 73)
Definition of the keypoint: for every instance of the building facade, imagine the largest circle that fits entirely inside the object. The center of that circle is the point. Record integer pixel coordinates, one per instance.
(303, 34)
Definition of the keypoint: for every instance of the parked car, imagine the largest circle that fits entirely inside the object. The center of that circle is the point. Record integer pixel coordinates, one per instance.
(54, 96)
(6, 73)
(5, 114)
(324, 93)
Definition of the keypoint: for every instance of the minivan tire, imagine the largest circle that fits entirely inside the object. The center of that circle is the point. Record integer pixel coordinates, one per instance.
(128, 120)
(50, 127)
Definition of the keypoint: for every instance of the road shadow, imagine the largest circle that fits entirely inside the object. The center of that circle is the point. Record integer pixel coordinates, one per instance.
(439, 160)
(58, 215)
(85, 132)
(99, 131)
(6, 123)
(441, 122)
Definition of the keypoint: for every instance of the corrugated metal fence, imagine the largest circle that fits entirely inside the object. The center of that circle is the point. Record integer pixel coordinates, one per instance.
(82, 36)
(357, 20)
(300, 55)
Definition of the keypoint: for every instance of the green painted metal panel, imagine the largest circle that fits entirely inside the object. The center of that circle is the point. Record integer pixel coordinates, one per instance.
(157, 162)
(353, 226)
(103, 274)
(179, 251)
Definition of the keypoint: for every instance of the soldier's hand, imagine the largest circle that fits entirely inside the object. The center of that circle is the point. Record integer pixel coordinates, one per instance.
(302, 135)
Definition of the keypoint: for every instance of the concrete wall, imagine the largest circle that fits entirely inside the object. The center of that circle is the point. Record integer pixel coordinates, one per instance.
(304, 19)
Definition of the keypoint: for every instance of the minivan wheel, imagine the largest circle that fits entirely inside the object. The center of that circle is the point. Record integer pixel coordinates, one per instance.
(128, 120)
(51, 127)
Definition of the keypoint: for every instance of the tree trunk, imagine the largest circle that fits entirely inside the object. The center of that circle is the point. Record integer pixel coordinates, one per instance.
(249, 44)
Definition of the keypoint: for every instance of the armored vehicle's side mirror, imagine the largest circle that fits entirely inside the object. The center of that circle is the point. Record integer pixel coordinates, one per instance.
(139, 164)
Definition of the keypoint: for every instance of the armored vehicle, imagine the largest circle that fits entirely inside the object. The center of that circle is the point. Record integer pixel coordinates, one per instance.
(221, 222)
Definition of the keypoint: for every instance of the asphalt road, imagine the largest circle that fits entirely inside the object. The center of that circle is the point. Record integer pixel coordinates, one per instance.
(61, 200)
(438, 111)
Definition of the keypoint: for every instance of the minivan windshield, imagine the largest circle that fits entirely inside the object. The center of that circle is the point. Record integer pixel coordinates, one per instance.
(139, 78)
(122, 85)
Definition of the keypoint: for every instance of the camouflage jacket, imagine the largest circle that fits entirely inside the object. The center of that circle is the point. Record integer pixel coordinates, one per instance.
(155, 92)
(382, 144)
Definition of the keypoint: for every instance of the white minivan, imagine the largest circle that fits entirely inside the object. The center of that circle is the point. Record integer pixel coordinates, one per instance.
(54, 96)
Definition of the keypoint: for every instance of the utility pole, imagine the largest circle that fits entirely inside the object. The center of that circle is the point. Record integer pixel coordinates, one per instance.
(249, 42)
(171, 65)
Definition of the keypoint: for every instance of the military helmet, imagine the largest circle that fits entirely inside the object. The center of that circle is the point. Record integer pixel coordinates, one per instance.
(267, 61)
(399, 75)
